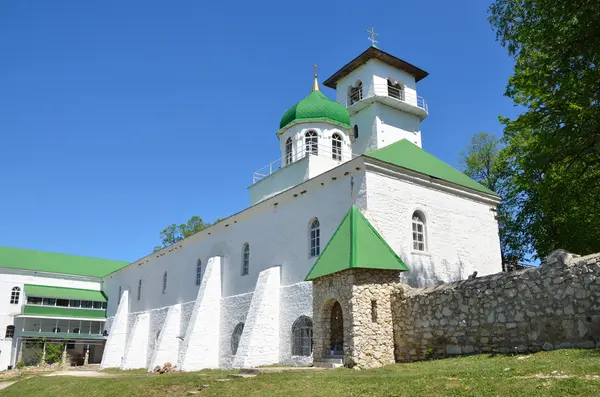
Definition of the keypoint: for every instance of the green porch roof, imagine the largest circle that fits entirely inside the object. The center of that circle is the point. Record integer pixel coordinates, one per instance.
(61, 335)
(53, 311)
(408, 155)
(17, 258)
(43, 291)
(355, 244)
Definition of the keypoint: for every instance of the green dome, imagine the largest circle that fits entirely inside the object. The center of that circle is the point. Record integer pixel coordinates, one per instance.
(316, 107)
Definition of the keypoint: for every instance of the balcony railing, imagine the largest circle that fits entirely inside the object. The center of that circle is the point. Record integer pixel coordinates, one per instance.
(408, 97)
(319, 150)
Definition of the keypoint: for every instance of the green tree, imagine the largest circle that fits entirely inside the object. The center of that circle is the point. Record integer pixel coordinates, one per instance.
(552, 154)
(484, 162)
(174, 233)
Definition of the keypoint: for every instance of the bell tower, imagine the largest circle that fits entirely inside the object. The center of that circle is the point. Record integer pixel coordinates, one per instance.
(380, 93)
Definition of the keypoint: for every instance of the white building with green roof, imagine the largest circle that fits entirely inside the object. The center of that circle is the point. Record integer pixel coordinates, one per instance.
(352, 176)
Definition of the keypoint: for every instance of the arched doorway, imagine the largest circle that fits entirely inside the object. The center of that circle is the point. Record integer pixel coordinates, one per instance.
(337, 330)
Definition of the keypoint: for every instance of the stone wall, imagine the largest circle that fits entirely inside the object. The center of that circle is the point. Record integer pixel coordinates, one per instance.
(365, 298)
(554, 306)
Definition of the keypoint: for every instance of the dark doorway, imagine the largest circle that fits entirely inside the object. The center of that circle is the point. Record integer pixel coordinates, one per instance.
(337, 330)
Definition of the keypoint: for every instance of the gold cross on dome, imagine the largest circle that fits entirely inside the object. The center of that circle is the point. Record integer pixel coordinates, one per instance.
(372, 38)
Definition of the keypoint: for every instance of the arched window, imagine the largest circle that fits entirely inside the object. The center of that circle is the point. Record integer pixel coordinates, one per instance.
(245, 259)
(355, 93)
(139, 294)
(164, 291)
(14, 295)
(76, 330)
(355, 131)
(56, 330)
(311, 141)
(236, 337)
(198, 272)
(10, 331)
(395, 90)
(288, 151)
(302, 335)
(336, 147)
(418, 232)
(119, 295)
(315, 238)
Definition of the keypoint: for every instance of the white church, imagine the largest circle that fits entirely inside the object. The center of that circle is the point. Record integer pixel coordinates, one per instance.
(236, 294)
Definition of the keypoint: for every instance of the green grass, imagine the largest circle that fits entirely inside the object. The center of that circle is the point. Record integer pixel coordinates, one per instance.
(578, 374)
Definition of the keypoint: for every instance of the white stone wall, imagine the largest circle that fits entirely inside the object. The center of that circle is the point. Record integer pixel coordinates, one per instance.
(114, 350)
(295, 301)
(136, 352)
(166, 348)
(394, 125)
(462, 233)
(234, 310)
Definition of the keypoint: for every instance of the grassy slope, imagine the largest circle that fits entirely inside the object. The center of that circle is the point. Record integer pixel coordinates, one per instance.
(465, 376)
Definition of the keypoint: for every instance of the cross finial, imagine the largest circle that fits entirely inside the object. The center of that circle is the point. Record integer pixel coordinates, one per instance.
(372, 38)
(316, 82)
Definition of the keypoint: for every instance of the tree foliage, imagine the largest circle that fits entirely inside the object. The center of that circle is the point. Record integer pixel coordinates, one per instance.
(552, 153)
(174, 233)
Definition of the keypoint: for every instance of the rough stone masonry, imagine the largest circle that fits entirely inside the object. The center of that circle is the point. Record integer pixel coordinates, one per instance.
(553, 306)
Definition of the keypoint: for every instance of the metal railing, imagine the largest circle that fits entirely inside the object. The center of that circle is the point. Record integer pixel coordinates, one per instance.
(383, 89)
(318, 150)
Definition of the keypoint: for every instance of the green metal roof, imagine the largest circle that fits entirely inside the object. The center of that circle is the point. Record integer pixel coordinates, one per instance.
(61, 335)
(42, 291)
(316, 107)
(17, 258)
(53, 311)
(408, 155)
(355, 244)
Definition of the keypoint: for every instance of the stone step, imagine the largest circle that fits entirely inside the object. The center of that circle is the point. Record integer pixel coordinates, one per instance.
(332, 360)
(250, 371)
(323, 364)
(241, 376)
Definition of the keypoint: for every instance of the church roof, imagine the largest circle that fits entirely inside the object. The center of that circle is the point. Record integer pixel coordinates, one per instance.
(407, 155)
(50, 262)
(375, 53)
(316, 107)
(355, 244)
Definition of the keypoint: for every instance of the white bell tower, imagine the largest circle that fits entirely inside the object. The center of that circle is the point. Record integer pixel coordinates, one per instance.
(380, 94)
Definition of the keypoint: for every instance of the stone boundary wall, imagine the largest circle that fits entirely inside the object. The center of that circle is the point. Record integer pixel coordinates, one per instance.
(553, 306)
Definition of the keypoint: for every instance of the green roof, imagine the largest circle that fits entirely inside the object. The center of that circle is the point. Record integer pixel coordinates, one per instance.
(355, 244)
(50, 262)
(407, 155)
(53, 311)
(42, 291)
(60, 335)
(316, 107)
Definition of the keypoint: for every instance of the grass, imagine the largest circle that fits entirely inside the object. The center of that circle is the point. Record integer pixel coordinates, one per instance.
(577, 374)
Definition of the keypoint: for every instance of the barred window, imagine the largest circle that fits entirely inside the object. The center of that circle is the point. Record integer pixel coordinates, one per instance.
(395, 90)
(236, 337)
(10, 331)
(336, 147)
(14, 295)
(311, 140)
(288, 151)
(198, 272)
(245, 259)
(315, 238)
(302, 336)
(418, 232)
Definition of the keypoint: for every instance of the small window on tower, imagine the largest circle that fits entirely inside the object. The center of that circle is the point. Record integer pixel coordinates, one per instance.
(288, 151)
(355, 131)
(355, 93)
(395, 90)
(311, 140)
(336, 147)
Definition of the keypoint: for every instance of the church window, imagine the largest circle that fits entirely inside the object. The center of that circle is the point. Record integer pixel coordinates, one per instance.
(373, 310)
(10, 331)
(119, 295)
(288, 151)
(236, 337)
(311, 141)
(164, 289)
(355, 131)
(245, 259)
(14, 295)
(315, 238)
(418, 231)
(395, 90)
(355, 93)
(198, 272)
(336, 147)
(139, 294)
(302, 336)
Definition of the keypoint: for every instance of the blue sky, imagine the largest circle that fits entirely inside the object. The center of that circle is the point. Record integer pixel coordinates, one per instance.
(118, 118)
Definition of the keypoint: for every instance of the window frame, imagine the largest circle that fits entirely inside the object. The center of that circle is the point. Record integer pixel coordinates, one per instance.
(314, 238)
(245, 259)
(397, 89)
(139, 290)
(419, 232)
(311, 143)
(10, 332)
(199, 272)
(15, 295)
(165, 282)
(289, 157)
(336, 146)
(302, 337)
(355, 93)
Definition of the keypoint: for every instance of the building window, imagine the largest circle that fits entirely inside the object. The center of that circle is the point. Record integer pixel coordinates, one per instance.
(139, 294)
(311, 141)
(198, 272)
(355, 131)
(119, 296)
(315, 238)
(288, 151)
(418, 231)
(56, 330)
(245, 259)
(395, 90)
(10, 331)
(14, 295)
(236, 337)
(336, 147)
(164, 290)
(373, 310)
(76, 330)
(355, 93)
(302, 336)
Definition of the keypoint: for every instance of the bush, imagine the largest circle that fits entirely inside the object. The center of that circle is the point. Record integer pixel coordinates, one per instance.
(21, 364)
